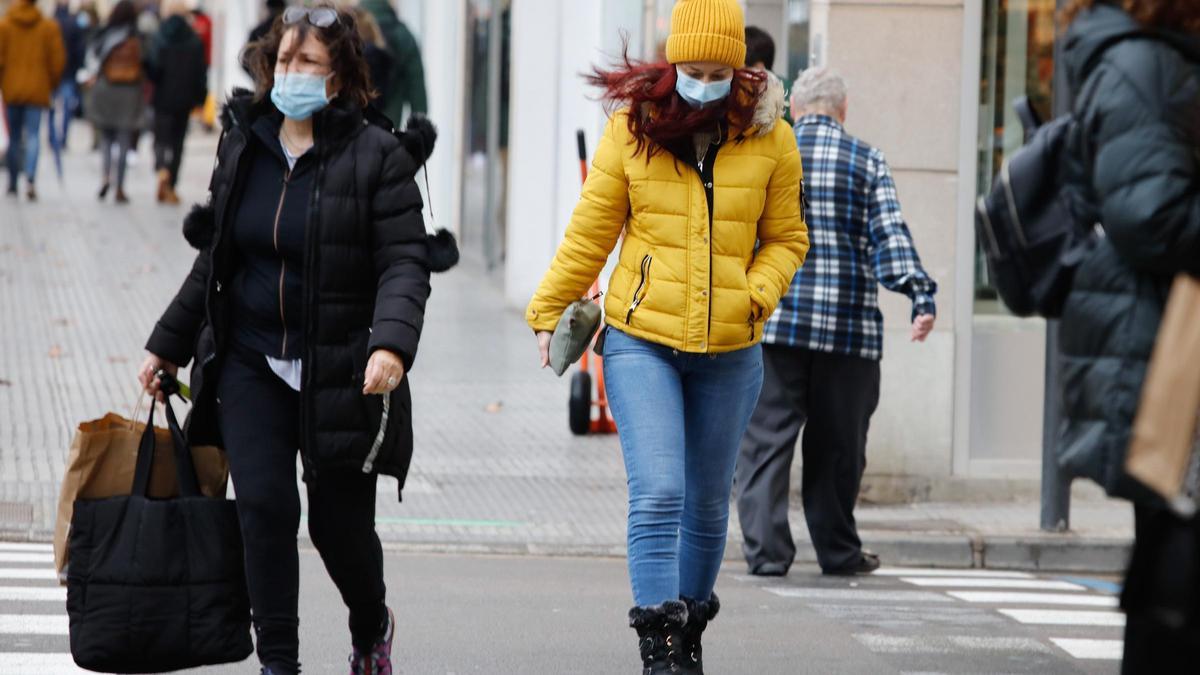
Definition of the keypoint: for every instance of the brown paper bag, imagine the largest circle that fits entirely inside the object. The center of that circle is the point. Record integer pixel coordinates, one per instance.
(1165, 439)
(101, 464)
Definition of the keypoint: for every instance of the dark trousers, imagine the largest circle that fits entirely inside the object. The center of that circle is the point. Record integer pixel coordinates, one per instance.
(170, 130)
(259, 418)
(1161, 597)
(832, 397)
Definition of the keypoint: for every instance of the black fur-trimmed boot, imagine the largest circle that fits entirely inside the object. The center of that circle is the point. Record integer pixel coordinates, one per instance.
(699, 614)
(660, 636)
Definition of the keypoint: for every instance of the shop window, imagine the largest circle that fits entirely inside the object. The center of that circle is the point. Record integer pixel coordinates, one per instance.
(1018, 60)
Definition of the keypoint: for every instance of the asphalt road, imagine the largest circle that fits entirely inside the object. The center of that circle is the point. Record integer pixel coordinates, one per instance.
(488, 614)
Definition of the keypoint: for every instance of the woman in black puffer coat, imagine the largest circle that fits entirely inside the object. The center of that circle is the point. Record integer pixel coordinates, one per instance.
(303, 312)
(1134, 66)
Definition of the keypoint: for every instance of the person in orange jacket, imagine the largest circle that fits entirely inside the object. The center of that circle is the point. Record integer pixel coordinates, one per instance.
(32, 58)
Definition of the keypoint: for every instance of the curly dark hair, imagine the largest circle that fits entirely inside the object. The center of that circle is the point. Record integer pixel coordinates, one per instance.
(1177, 14)
(345, 53)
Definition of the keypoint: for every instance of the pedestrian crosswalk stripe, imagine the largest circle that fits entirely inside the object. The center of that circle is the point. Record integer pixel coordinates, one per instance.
(910, 572)
(906, 644)
(28, 573)
(26, 663)
(1064, 617)
(1024, 584)
(33, 624)
(33, 593)
(26, 557)
(859, 594)
(1107, 650)
(1007, 598)
(28, 548)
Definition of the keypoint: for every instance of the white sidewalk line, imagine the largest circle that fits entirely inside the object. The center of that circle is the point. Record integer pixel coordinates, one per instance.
(34, 624)
(33, 594)
(1007, 598)
(906, 572)
(1064, 617)
(1107, 650)
(26, 548)
(28, 573)
(27, 663)
(25, 557)
(857, 594)
(1022, 584)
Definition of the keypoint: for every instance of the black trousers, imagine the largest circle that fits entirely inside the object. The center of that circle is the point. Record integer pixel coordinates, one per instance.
(1161, 597)
(831, 397)
(170, 130)
(259, 418)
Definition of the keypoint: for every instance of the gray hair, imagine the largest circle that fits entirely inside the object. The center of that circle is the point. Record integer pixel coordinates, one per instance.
(819, 88)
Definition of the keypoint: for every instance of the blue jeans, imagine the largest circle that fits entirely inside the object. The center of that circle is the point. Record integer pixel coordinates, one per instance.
(24, 125)
(681, 418)
(66, 103)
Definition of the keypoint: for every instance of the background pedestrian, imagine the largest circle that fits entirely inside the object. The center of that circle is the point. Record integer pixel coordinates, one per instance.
(823, 344)
(313, 271)
(66, 98)
(175, 64)
(375, 51)
(114, 99)
(1138, 166)
(760, 55)
(702, 176)
(31, 64)
(405, 91)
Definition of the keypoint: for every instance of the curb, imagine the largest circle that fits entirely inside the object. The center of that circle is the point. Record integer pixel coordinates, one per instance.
(1028, 553)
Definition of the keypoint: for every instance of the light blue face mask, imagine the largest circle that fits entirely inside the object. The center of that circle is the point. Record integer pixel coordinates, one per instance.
(299, 95)
(699, 94)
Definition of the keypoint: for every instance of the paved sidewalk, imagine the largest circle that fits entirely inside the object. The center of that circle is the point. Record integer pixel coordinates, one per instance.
(495, 469)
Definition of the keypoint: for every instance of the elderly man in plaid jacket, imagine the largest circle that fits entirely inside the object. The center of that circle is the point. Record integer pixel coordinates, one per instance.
(821, 348)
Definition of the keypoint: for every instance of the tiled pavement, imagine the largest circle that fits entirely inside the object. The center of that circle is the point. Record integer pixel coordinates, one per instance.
(495, 467)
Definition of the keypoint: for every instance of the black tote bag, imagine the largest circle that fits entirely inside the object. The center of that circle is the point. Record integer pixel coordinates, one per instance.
(157, 585)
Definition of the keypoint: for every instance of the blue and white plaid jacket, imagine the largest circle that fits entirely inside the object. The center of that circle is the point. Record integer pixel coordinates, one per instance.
(858, 238)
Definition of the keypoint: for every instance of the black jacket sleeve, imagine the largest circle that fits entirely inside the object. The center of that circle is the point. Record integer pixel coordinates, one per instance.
(174, 336)
(1145, 165)
(400, 256)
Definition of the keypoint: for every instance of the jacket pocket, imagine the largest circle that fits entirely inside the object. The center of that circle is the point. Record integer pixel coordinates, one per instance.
(641, 290)
(359, 340)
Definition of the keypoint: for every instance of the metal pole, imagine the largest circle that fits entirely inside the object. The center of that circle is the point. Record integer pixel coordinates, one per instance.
(1056, 483)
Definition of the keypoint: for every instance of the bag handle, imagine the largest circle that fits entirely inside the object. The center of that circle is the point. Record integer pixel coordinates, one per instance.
(185, 470)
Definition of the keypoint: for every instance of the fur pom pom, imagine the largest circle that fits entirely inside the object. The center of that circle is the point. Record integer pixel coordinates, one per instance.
(443, 250)
(199, 226)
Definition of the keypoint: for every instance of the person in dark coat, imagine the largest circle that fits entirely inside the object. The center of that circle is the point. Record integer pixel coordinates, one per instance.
(302, 314)
(406, 88)
(1134, 68)
(66, 98)
(175, 63)
(274, 11)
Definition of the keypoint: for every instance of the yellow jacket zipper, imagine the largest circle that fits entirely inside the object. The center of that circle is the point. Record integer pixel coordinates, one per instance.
(282, 264)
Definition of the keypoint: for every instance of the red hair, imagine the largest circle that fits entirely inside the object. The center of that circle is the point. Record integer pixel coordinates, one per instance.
(659, 116)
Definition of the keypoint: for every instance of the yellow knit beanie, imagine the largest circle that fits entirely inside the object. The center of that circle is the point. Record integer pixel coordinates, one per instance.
(707, 30)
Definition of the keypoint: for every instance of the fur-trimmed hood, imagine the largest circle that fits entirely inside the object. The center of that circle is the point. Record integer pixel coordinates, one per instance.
(770, 107)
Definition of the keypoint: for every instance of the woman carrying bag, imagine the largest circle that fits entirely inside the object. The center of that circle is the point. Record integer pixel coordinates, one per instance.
(303, 312)
(1139, 165)
(704, 179)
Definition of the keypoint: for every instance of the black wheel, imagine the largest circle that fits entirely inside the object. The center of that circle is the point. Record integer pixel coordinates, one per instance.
(580, 407)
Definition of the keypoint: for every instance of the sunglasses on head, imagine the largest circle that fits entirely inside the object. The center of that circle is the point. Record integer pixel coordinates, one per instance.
(321, 17)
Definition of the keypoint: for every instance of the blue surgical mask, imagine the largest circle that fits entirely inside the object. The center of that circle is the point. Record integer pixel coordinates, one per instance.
(299, 95)
(698, 93)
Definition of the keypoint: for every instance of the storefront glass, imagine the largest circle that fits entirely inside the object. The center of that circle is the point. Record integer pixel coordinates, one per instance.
(1018, 60)
(485, 158)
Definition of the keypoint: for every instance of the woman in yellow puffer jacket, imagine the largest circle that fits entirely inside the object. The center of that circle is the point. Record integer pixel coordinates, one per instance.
(704, 179)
